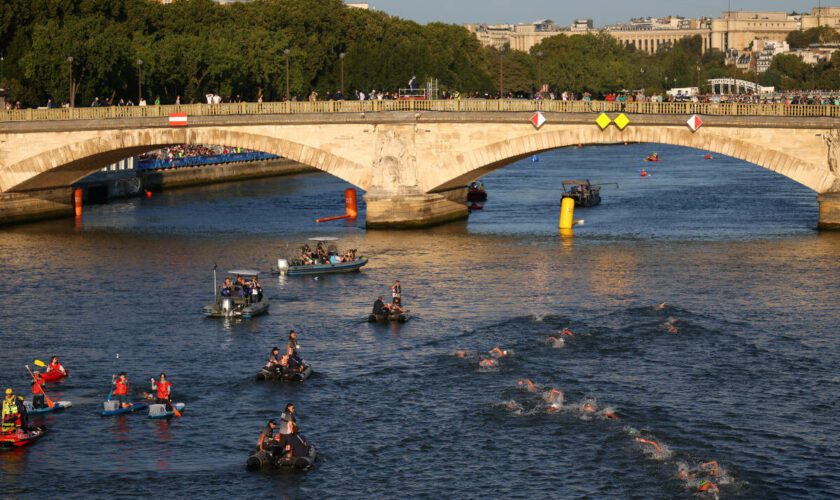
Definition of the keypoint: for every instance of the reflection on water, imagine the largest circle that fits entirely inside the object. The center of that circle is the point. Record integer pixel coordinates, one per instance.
(751, 287)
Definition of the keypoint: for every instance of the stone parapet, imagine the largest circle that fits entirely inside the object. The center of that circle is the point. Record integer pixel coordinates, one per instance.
(829, 211)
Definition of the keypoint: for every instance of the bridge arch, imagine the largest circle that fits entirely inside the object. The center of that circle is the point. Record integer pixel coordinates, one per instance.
(488, 158)
(64, 165)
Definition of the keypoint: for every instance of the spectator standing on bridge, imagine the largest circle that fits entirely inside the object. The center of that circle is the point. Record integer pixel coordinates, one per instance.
(142, 102)
(157, 101)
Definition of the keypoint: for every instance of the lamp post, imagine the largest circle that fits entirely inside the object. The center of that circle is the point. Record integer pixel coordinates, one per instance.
(539, 72)
(139, 80)
(341, 58)
(288, 94)
(1, 70)
(502, 72)
(642, 79)
(71, 97)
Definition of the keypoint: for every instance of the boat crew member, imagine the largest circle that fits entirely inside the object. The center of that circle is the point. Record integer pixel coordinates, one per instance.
(256, 290)
(292, 347)
(121, 389)
(55, 366)
(396, 290)
(379, 307)
(241, 287)
(267, 435)
(11, 413)
(227, 288)
(164, 391)
(288, 422)
(38, 396)
(24, 414)
(273, 362)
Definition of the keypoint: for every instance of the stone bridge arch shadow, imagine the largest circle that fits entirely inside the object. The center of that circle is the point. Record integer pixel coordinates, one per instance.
(63, 166)
(486, 159)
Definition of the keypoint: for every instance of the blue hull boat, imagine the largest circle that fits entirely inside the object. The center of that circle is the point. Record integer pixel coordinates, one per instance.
(341, 267)
(122, 411)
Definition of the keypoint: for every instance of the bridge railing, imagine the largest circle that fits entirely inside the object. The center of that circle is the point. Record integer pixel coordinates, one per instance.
(455, 106)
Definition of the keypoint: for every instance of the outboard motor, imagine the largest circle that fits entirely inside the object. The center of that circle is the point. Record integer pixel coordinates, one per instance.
(157, 410)
(227, 306)
(112, 405)
(282, 266)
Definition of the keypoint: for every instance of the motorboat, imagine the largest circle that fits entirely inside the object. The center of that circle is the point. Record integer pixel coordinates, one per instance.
(583, 192)
(289, 376)
(476, 192)
(330, 261)
(238, 299)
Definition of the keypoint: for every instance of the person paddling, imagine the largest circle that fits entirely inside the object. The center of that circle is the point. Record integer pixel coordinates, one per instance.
(55, 366)
(38, 395)
(120, 389)
(163, 390)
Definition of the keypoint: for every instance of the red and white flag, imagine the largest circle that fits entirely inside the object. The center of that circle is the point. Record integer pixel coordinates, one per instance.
(694, 123)
(537, 120)
(177, 119)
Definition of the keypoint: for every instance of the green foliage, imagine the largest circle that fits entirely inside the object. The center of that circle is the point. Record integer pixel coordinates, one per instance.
(820, 35)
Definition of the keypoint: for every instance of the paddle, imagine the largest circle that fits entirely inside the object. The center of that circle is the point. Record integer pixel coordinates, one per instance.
(46, 398)
(113, 379)
(40, 363)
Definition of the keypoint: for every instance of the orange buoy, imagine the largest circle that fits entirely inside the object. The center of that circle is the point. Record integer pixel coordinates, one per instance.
(708, 157)
(148, 194)
(77, 201)
(350, 208)
(644, 174)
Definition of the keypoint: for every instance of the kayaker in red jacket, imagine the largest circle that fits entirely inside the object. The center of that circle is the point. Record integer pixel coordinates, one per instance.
(164, 391)
(38, 396)
(55, 366)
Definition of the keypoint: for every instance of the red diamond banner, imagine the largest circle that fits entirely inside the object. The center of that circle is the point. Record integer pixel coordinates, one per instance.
(694, 123)
(537, 120)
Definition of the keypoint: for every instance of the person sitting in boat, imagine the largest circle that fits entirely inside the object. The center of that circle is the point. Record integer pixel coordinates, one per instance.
(55, 366)
(121, 389)
(379, 308)
(395, 307)
(227, 288)
(163, 391)
(11, 413)
(267, 436)
(273, 362)
(38, 395)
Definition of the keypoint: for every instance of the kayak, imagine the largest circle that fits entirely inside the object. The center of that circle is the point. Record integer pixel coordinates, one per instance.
(54, 376)
(59, 405)
(158, 411)
(384, 318)
(262, 460)
(21, 437)
(114, 409)
(266, 374)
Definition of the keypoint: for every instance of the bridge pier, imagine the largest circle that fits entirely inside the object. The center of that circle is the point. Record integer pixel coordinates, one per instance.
(33, 205)
(829, 211)
(414, 210)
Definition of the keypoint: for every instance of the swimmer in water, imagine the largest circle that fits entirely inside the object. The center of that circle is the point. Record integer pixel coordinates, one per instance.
(650, 442)
(554, 398)
(527, 384)
(610, 414)
(712, 466)
(589, 406)
(461, 354)
(498, 352)
(671, 325)
(567, 333)
(707, 487)
(556, 341)
(488, 363)
(662, 306)
(512, 406)
(684, 475)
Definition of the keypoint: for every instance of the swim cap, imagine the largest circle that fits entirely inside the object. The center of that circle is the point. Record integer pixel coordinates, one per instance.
(8, 392)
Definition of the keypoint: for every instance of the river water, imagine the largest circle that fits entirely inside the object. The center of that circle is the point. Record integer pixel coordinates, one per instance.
(749, 379)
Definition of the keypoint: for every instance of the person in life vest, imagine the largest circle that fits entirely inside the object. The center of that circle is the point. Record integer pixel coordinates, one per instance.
(38, 395)
(273, 363)
(55, 366)
(121, 389)
(267, 436)
(288, 420)
(11, 413)
(163, 391)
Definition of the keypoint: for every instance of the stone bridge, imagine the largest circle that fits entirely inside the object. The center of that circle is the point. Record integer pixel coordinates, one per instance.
(412, 159)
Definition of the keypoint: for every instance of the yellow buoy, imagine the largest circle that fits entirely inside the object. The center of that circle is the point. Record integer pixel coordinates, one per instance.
(567, 213)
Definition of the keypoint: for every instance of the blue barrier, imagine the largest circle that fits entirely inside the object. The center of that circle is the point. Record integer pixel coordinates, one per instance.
(197, 161)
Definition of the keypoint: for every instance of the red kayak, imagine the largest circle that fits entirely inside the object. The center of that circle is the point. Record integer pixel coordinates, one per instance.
(21, 437)
(54, 376)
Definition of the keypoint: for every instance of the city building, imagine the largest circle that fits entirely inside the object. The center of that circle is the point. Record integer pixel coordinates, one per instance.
(822, 16)
(766, 50)
(363, 6)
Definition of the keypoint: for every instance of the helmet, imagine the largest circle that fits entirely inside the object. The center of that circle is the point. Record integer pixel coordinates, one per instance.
(8, 392)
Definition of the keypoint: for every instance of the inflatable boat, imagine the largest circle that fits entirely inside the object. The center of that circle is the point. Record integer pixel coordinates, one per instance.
(242, 303)
(54, 376)
(386, 318)
(268, 374)
(112, 408)
(262, 460)
(21, 437)
(59, 405)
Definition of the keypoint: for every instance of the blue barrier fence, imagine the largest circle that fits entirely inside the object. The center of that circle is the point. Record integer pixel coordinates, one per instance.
(197, 161)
